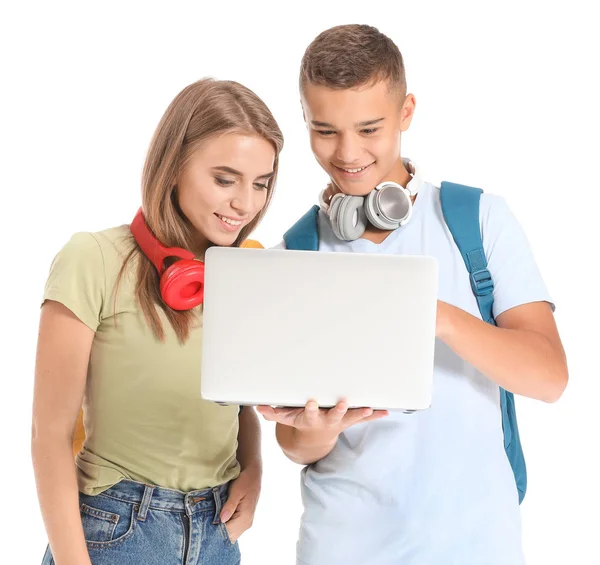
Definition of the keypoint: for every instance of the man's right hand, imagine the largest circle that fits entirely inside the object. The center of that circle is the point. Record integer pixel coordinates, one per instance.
(310, 433)
(311, 418)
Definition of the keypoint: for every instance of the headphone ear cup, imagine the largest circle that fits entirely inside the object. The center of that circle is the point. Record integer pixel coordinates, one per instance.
(348, 219)
(182, 284)
(373, 213)
(388, 208)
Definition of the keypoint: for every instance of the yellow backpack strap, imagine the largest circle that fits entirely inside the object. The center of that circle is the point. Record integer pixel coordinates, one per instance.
(79, 435)
(252, 243)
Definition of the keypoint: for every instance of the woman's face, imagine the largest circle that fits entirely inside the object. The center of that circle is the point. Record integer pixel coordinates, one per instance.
(223, 186)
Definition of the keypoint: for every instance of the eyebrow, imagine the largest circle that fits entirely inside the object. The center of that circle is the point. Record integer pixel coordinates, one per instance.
(360, 124)
(231, 171)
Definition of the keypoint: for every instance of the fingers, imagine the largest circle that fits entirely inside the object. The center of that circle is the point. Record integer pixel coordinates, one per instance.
(308, 416)
(337, 413)
(314, 418)
(235, 528)
(361, 415)
(355, 416)
(376, 415)
(311, 413)
(233, 534)
(240, 522)
(229, 509)
(267, 411)
(279, 415)
(341, 416)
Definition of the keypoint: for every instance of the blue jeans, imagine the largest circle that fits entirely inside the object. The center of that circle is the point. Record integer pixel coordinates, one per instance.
(136, 523)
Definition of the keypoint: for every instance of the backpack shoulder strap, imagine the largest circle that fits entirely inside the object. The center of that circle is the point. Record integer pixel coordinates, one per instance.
(460, 206)
(304, 234)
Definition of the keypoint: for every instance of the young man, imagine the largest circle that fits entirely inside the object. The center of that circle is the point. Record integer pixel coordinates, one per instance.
(434, 487)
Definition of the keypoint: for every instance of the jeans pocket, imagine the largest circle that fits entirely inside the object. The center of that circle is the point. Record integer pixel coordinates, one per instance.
(220, 500)
(225, 532)
(106, 522)
(97, 524)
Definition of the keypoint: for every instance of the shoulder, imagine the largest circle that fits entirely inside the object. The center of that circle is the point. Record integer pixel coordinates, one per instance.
(498, 222)
(82, 249)
(100, 249)
(92, 256)
(488, 201)
(85, 270)
(111, 240)
(493, 206)
(494, 211)
(114, 242)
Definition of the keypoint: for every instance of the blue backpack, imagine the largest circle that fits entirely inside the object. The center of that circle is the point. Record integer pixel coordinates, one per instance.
(460, 206)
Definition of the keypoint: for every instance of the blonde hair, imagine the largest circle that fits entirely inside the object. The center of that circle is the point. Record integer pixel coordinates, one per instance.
(202, 110)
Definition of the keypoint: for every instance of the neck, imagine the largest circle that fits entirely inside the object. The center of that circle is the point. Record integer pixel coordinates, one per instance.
(201, 244)
(400, 175)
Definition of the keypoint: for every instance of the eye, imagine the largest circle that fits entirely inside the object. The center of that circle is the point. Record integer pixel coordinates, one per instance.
(325, 133)
(223, 182)
(260, 186)
(369, 131)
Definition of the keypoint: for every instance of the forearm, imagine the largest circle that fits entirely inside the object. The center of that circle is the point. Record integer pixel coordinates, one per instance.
(248, 453)
(521, 361)
(305, 447)
(58, 496)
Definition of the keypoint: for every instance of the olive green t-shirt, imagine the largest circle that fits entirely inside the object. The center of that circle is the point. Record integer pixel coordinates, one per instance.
(144, 417)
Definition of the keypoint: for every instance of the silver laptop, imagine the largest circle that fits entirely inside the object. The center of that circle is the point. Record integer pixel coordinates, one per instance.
(282, 327)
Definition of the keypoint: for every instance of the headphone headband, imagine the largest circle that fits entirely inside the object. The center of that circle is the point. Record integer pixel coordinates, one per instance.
(151, 247)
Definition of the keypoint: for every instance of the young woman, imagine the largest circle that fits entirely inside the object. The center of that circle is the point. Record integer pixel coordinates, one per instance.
(163, 477)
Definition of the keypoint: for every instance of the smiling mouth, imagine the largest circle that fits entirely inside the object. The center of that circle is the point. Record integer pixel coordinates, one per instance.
(354, 170)
(230, 221)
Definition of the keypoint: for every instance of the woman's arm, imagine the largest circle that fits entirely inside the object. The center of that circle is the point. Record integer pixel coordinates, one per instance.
(64, 344)
(248, 453)
(238, 511)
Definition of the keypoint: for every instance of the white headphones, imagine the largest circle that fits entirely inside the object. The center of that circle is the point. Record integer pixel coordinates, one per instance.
(387, 207)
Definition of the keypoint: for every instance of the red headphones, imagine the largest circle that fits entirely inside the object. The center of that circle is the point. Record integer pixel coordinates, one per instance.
(182, 284)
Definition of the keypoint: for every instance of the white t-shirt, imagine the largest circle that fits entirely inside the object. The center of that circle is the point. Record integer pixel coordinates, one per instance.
(434, 487)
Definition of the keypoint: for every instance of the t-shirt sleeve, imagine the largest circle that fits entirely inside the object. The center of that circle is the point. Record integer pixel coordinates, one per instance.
(77, 279)
(517, 279)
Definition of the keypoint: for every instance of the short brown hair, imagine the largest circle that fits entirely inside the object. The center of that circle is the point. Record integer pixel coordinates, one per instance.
(350, 56)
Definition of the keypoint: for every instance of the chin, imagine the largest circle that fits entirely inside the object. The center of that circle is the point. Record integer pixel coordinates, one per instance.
(224, 240)
(357, 188)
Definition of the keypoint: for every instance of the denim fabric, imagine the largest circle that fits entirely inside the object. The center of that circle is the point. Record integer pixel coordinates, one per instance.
(136, 523)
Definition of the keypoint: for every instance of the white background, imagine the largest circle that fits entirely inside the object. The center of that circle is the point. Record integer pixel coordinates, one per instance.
(507, 99)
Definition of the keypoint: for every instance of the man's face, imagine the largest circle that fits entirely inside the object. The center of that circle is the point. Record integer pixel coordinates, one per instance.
(355, 133)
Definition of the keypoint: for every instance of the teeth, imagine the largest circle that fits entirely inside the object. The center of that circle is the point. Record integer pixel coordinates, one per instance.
(230, 222)
(355, 170)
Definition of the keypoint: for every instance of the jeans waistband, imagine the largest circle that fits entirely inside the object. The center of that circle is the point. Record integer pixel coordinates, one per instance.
(150, 496)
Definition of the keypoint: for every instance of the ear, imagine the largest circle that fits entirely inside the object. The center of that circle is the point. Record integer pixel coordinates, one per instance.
(407, 111)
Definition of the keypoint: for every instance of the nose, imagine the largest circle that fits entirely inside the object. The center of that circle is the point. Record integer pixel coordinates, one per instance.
(347, 150)
(242, 198)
